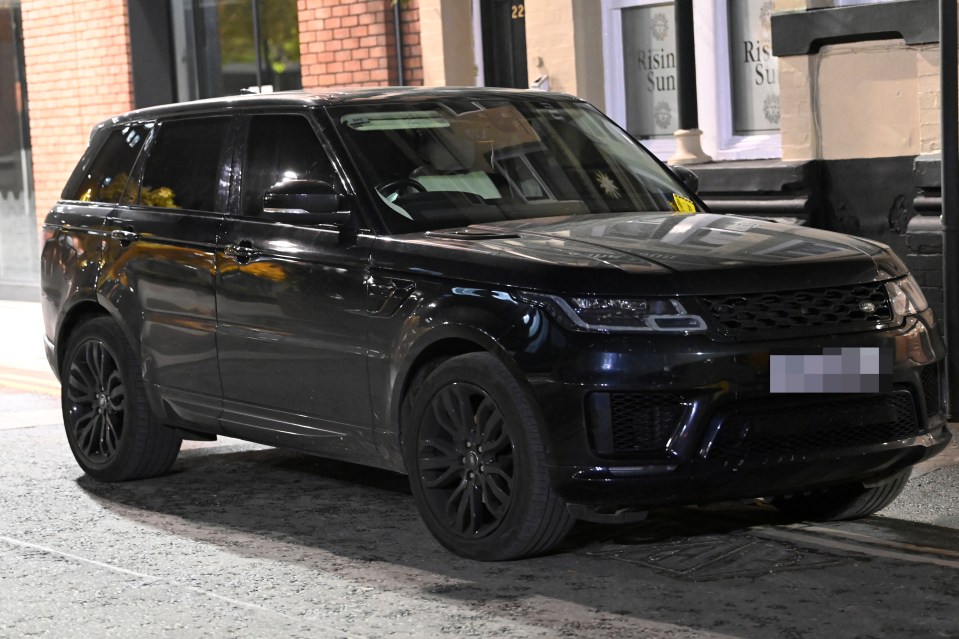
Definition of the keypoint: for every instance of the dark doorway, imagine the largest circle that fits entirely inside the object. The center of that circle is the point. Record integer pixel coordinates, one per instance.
(504, 43)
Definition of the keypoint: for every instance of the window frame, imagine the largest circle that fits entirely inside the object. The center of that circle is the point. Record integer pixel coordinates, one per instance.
(713, 84)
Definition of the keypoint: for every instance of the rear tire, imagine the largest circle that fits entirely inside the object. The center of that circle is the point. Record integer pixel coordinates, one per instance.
(477, 464)
(849, 501)
(108, 422)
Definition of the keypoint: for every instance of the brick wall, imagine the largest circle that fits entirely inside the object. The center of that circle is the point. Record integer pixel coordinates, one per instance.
(352, 43)
(77, 57)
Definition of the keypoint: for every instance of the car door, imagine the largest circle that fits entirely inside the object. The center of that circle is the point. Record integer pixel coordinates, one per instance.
(160, 257)
(291, 299)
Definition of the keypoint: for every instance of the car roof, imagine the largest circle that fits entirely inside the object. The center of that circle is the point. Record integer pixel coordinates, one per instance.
(330, 97)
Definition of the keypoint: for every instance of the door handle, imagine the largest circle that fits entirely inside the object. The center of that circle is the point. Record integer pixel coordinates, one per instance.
(124, 236)
(243, 252)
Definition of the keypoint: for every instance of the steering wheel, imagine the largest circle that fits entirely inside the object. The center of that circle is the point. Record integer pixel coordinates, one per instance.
(392, 189)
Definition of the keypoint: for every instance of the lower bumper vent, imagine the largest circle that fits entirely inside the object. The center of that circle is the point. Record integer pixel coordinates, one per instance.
(798, 426)
(929, 377)
(633, 423)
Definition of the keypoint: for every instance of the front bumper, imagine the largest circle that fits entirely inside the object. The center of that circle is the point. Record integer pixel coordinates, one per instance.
(713, 431)
(702, 481)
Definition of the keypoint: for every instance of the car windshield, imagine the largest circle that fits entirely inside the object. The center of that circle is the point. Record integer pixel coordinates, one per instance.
(450, 163)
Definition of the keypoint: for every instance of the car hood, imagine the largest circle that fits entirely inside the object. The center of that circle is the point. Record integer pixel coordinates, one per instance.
(700, 253)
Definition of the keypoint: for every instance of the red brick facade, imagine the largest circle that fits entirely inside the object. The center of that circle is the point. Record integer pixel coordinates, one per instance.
(77, 56)
(353, 43)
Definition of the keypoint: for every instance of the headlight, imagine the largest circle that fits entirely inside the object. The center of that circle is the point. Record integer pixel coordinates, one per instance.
(618, 314)
(906, 297)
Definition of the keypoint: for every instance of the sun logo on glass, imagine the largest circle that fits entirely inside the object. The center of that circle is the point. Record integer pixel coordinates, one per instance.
(660, 26)
(607, 185)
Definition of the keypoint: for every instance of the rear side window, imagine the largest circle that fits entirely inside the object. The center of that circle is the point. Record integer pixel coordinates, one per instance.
(103, 178)
(184, 165)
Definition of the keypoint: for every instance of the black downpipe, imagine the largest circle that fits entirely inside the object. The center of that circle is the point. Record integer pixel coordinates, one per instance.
(950, 195)
(257, 46)
(399, 42)
(686, 65)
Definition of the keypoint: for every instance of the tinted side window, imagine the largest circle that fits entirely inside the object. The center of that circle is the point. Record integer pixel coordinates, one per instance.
(103, 179)
(279, 148)
(183, 168)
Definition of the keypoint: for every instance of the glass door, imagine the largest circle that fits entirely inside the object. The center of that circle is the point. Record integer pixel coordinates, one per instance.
(230, 45)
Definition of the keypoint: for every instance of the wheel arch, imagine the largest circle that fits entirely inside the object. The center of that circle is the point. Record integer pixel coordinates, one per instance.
(433, 349)
(79, 313)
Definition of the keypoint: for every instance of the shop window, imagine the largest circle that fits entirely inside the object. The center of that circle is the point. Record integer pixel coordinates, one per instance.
(640, 54)
(753, 70)
(18, 226)
(649, 69)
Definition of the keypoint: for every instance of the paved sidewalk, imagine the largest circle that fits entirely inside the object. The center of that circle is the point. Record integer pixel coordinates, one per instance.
(23, 365)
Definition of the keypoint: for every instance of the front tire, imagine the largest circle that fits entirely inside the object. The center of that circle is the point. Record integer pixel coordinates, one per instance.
(477, 463)
(108, 422)
(849, 501)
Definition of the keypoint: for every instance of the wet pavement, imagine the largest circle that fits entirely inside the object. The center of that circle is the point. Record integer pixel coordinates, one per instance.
(242, 540)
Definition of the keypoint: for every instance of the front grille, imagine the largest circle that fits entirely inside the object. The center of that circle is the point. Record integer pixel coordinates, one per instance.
(929, 377)
(810, 312)
(633, 423)
(776, 429)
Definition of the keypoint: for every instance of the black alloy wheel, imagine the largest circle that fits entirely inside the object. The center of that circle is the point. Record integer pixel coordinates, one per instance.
(95, 402)
(466, 460)
(112, 433)
(477, 462)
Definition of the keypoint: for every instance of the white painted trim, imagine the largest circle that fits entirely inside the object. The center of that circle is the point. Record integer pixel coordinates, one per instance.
(480, 79)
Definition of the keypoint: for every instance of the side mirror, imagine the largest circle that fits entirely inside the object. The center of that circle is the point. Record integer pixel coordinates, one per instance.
(306, 202)
(687, 177)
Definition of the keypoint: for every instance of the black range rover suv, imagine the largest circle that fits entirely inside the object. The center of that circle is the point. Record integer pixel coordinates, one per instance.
(499, 293)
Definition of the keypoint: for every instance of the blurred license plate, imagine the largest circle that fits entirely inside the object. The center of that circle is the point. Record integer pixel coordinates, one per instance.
(831, 370)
